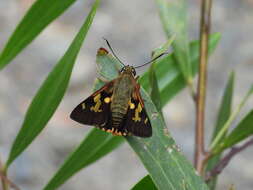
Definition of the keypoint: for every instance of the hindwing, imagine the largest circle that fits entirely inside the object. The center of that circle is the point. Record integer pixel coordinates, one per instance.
(136, 121)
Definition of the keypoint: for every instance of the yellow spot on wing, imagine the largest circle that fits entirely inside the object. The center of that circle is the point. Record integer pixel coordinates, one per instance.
(83, 106)
(98, 102)
(131, 105)
(107, 100)
(137, 113)
(146, 120)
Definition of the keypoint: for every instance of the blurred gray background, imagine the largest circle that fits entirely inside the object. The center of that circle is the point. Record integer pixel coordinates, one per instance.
(134, 30)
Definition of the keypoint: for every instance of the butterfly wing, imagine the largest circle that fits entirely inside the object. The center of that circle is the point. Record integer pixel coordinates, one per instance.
(94, 110)
(136, 121)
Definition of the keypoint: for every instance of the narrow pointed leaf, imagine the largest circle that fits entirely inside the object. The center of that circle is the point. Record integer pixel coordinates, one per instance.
(50, 93)
(174, 20)
(170, 79)
(216, 146)
(223, 115)
(145, 183)
(225, 106)
(166, 165)
(163, 48)
(154, 89)
(155, 94)
(96, 144)
(41, 13)
(242, 131)
(108, 68)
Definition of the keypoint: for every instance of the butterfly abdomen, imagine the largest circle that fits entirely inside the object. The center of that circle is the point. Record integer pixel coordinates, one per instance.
(117, 117)
(121, 96)
(119, 108)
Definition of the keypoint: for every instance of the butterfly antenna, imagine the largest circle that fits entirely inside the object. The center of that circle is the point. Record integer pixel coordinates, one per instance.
(151, 60)
(107, 42)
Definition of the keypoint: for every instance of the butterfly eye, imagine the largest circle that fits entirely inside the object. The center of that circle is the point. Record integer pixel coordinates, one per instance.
(133, 71)
(123, 69)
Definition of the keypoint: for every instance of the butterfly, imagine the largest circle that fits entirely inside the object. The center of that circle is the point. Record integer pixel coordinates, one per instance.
(117, 107)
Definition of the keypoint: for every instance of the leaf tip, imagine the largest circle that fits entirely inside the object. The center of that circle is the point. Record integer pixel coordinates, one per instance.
(102, 51)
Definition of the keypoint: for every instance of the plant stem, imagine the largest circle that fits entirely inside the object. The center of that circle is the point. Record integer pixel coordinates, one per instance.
(2, 175)
(6, 183)
(225, 160)
(205, 23)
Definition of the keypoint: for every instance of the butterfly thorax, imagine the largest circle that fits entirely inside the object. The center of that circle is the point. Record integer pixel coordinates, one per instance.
(122, 92)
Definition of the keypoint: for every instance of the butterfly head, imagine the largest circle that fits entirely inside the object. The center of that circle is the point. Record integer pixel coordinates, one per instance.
(128, 70)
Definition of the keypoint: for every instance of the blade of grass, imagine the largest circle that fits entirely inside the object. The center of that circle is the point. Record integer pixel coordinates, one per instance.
(41, 14)
(223, 115)
(174, 20)
(50, 93)
(108, 68)
(145, 183)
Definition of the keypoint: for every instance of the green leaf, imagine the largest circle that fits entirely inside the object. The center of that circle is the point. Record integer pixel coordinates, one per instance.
(174, 20)
(223, 115)
(250, 91)
(50, 93)
(162, 158)
(95, 145)
(145, 183)
(215, 146)
(42, 13)
(158, 151)
(108, 69)
(154, 94)
(225, 106)
(163, 48)
(243, 130)
(170, 79)
(154, 91)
